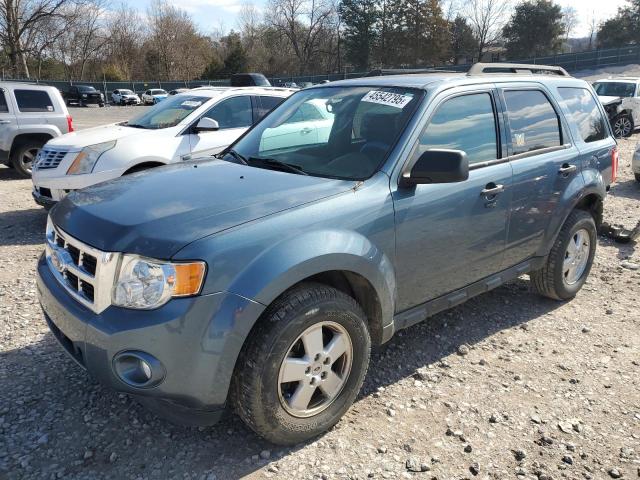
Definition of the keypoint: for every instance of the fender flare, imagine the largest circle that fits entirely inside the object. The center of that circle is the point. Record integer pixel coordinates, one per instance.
(293, 260)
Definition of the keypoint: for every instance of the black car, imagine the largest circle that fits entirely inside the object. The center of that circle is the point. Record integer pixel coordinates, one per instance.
(249, 80)
(83, 95)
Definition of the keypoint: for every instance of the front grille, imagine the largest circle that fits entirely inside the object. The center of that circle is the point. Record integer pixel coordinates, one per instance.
(48, 159)
(85, 272)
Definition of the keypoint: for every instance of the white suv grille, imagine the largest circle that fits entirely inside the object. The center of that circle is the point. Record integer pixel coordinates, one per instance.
(48, 159)
(85, 272)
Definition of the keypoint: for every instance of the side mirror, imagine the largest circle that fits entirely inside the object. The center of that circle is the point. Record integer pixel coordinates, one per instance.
(206, 124)
(438, 166)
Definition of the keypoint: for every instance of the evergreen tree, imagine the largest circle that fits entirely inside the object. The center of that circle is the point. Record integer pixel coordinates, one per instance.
(360, 18)
(535, 29)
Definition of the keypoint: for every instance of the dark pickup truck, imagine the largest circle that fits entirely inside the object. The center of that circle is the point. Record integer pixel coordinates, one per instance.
(83, 95)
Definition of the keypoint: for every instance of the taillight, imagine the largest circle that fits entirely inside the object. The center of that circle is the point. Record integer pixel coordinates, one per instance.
(614, 164)
(69, 123)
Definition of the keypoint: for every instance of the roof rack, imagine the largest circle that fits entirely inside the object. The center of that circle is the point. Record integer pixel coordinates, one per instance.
(517, 68)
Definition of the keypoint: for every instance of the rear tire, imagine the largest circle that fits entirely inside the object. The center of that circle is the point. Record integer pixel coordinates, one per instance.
(23, 157)
(283, 345)
(637, 175)
(570, 260)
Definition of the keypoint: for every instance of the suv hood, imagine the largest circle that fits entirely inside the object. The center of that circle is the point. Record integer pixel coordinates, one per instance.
(606, 100)
(90, 136)
(156, 213)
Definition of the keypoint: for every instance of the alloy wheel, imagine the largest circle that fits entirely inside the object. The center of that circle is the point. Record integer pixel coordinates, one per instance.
(576, 256)
(622, 127)
(28, 157)
(315, 369)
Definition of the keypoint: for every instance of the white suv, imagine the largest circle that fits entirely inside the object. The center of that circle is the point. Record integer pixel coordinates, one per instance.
(200, 122)
(124, 96)
(627, 89)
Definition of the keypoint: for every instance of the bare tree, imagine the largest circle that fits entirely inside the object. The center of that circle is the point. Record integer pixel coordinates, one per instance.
(486, 17)
(593, 24)
(306, 24)
(126, 34)
(18, 18)
(570, 21)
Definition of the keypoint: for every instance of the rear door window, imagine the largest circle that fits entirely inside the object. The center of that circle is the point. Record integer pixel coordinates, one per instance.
(266, 104)
(4, 108)
(585, 113)
(33, 101)
(466, 123)
(533, 121)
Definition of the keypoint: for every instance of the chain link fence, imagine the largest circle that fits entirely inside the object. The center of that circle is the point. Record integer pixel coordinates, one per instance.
(571, 62)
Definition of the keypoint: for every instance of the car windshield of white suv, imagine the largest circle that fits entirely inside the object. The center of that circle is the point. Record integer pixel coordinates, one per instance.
(158, 92)
(334, 132)
(167, 113)
(615, 89)
(126, 92)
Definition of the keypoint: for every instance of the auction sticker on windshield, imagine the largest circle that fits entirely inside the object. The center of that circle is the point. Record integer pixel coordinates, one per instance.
(191, 103)
(387, 98)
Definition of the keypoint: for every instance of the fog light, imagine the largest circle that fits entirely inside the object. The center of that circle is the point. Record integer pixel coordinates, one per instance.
(138, 369)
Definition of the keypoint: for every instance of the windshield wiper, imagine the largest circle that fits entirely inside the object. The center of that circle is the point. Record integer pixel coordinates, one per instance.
(134, 125)
(237, 156)
(269, 162)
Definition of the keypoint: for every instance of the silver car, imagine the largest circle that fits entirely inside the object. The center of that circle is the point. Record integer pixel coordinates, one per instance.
(30, 116)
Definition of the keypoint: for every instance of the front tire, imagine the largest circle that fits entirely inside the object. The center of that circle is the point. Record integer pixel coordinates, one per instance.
(303, 365)
(570, 260)
(637, 175)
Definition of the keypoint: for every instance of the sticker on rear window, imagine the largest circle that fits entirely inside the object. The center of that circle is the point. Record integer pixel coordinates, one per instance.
(191, 103)
(387, 98)
(520, 139)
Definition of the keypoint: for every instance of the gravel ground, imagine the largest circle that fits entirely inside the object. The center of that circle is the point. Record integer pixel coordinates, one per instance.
(508, 385)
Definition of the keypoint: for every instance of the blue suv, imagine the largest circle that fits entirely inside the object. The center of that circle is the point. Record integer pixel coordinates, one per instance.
(260, 279)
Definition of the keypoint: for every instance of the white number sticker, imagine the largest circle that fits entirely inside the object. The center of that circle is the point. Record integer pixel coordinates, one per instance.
(387, 98)
(191, 103)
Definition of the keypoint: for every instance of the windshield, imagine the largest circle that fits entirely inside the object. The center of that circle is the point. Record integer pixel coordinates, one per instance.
(158, 92)
(334, 132)
(615, 89)
(125, 92)
(168, 113)
(86, 89)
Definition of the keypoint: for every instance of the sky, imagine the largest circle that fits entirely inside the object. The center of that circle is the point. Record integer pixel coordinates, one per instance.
(213, 15)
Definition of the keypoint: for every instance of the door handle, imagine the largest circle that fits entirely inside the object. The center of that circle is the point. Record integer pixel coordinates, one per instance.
(305, 130)
(4, 122)
(567, 169)
(492, 189)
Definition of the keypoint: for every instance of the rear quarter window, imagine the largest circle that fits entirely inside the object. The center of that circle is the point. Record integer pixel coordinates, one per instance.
(533, 121)
(584, 112)
(33, 101)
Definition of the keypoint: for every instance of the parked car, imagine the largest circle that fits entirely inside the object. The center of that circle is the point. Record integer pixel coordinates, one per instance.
(621, 98)
(262, 281)
(178, 90)
(30, 115)
(83, 95)
(635, 163)
(249, 80)
(153, 96)
(124, 96)
(197, 123)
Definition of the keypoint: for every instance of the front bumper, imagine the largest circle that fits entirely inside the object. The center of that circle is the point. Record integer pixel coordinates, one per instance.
(197, 340)
(44, 198)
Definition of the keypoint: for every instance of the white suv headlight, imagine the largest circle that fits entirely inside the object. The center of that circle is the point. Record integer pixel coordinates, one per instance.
(88, 156)
(144, 283)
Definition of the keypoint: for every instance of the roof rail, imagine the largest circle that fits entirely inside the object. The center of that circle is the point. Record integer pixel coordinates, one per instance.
(405, 71)
(517, 68)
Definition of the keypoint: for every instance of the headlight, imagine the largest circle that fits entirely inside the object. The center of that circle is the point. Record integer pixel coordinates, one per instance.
(88, 156)
(84, 95)
(144, 283)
